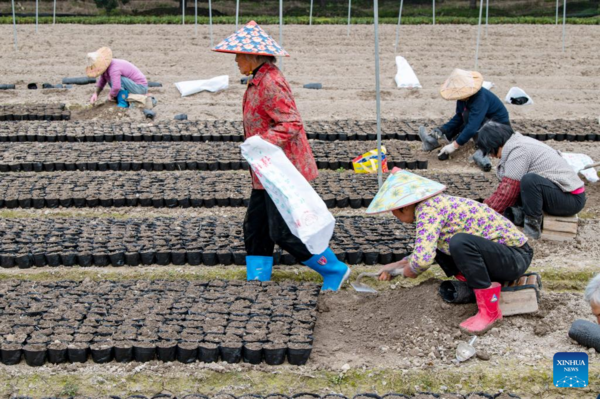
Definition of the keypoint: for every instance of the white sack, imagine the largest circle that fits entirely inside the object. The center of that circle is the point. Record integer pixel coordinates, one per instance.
(196, 86)
(515, 92)
(303, 210)
(406, 77)
(580, 161)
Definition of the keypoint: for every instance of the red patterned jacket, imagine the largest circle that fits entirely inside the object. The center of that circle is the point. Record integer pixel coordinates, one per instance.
(270, 112)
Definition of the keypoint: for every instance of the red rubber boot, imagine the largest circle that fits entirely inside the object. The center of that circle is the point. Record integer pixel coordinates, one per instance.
(460, 277)
(489, 313)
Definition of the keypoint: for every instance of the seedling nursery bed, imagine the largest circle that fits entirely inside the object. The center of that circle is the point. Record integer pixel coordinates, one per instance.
(232, 131)
(304, 395)
(211, 240)
(198, 189)
(159, 156)
(70, 321)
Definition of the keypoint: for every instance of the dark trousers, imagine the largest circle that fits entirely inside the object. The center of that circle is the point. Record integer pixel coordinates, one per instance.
(264, 227)
(539, 195)
(482, 261)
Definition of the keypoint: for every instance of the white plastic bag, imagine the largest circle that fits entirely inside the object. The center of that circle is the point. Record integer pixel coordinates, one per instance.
(488, 85)
(196, 86)
(516, 92)
(406, 77)
(303, 210)
(580, 161)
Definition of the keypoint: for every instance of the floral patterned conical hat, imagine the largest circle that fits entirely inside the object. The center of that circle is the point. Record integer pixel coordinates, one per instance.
(401, 189)
(251, 39)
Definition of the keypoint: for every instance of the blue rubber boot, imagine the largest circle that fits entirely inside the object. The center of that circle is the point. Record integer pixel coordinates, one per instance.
(333, 271)
(259, 268)
(122, 99)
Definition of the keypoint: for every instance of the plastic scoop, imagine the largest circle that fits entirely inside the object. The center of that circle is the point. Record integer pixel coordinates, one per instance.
(361, 287)
(466, 351)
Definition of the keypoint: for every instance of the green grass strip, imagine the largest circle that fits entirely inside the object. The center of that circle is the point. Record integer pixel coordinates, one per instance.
(176, 20)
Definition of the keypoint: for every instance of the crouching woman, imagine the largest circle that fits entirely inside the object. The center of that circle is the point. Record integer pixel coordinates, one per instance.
(467, 239)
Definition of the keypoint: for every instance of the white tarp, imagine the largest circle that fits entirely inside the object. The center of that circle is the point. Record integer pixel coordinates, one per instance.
(406, 77)
(580, 161)
(196, 86)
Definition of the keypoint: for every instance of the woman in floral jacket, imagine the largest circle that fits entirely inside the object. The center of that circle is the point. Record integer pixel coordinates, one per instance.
(270, 112)
(469, 241)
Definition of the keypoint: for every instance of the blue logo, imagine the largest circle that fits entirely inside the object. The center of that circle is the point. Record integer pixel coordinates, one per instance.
(571, 370)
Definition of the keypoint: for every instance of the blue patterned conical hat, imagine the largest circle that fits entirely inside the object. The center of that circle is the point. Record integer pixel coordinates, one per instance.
(251, 39)
(401, 189)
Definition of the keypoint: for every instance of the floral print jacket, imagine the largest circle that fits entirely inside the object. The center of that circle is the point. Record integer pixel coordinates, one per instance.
(270, 112)
(439, 218)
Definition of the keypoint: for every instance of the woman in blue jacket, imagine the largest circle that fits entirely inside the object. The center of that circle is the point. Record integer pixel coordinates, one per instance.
(474, 106)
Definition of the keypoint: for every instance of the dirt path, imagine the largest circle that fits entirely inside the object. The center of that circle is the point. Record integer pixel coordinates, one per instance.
(528, 56)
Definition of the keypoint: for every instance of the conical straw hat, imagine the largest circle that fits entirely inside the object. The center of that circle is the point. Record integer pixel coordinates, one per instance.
(251, 39)
(99, 62)
(461, 85)
(401, 189)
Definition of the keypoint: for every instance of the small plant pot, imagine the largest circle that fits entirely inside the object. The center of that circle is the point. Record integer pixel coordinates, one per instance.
(208, 352)
(187, 352)
(274, 353)
(144, 351)
(147, 257)
(194, 257)
(231, 352)
(132, 258)
(252, 353)
(101, 353)
(57, 353)
(85, 259)
(298, 354)
(165, 351)
(10, 354)
(123, 352)
(78, 352)
(35, 355)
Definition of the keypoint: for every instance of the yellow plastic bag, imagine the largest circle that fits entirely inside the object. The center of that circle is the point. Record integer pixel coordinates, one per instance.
(369, 162)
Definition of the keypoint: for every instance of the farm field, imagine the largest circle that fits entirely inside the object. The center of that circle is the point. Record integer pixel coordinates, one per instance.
(100, 206)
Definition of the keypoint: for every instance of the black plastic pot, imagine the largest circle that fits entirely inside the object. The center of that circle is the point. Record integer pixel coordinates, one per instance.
(144, 351)
(274, 353)
(147, 256)
(10, 354)
(187, 352)
(298, 354)
(78, 352)
(231, 352)
(123, 352)
(208, 353)
(165, 351)
(7, 87)
(57, 353)
(194, 257)
(35, 355)
(101, 353)
(252, 353)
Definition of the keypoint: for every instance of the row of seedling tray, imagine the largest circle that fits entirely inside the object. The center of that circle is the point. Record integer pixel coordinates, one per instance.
(35, 157)
(50, 112)
(197, 189)
(305, 395)
(142, 320)
(211, 240)
(197, 131)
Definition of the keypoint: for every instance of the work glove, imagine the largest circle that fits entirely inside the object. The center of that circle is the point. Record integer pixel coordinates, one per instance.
(448, 149)
(94, 98)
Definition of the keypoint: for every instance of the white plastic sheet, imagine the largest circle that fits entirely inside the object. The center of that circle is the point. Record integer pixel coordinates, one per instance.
(406, 77)
(580, 161)
(303, 210)
(196, 86)
(515, 92)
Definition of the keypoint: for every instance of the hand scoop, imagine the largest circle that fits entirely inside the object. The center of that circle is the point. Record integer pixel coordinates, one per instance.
(360, 287)
(465, 351)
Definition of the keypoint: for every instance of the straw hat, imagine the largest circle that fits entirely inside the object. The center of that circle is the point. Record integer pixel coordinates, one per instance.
(251, 39)
(98, 62)
(461, 85)
(401, 189)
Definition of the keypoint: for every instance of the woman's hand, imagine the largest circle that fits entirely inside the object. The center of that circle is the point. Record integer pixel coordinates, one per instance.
(385, 271)
(94, 98)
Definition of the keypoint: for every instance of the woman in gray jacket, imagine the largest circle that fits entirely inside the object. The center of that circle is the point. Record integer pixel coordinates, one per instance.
(533, 175)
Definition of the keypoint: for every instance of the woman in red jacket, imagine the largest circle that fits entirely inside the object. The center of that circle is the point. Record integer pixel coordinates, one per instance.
(270, 112)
